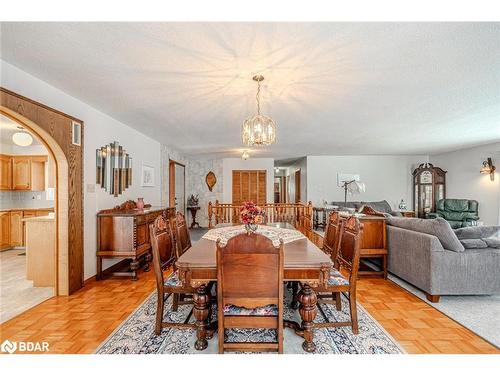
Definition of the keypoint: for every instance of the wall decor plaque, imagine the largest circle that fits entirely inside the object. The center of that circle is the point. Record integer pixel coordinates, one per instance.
(211, 180)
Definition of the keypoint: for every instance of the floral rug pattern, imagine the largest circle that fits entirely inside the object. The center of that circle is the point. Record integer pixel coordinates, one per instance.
(136, 335)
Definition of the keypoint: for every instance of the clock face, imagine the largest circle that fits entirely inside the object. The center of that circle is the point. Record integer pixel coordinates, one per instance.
(426, 177)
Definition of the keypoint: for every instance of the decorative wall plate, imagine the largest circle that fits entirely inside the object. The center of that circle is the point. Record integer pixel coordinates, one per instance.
(211, 180)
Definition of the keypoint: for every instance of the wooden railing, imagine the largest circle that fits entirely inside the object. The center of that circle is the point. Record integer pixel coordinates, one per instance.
(296, 214)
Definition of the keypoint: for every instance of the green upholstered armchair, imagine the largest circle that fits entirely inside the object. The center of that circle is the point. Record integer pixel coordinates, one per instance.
(458, 212)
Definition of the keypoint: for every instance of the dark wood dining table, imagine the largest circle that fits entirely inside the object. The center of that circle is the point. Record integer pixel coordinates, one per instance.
(304, 263)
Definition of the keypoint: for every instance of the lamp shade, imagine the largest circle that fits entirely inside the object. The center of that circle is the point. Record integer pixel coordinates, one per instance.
(22, 139)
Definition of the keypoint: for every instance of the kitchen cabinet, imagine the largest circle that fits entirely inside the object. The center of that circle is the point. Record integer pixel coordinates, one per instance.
(12, 226)
(16, 229)
(5, 172)
(4, 230)
(23, 173)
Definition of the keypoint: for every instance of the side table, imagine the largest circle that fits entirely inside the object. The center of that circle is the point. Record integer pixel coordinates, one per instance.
(193, 210)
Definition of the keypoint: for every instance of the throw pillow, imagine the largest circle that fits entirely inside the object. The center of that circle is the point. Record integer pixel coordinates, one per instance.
(473, 243)
(493, 242)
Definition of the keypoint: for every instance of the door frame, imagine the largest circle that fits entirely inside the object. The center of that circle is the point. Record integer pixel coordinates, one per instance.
(171, 182)
(298, 192)
(61, 207)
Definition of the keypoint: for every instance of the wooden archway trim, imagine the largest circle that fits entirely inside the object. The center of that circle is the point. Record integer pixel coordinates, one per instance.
(53, 129)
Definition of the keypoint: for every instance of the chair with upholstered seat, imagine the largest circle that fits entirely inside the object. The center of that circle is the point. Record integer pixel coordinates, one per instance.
(331, 247)
(181, 234)
(250, 290)
(164, 256)
(347, 257)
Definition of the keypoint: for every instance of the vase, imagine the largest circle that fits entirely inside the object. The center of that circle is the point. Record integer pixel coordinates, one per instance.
(251, 228)
(140, 203)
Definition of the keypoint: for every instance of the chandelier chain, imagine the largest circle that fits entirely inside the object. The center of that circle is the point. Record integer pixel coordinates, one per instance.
(257, 97)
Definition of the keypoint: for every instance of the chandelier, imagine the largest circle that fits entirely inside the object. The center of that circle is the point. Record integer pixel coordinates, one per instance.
(258, 130)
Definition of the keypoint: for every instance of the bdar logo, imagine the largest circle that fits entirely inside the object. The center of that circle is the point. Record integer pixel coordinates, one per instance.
(8, 347)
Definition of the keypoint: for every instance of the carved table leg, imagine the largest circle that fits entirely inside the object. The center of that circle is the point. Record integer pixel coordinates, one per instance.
(134, 266)
(201, 312)
(295, 288)
(307, 310)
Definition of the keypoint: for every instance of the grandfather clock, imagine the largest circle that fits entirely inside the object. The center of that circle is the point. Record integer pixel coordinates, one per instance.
(429, 186)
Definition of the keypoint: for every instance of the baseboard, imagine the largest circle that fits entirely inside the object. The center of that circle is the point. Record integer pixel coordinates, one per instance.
(114, 268)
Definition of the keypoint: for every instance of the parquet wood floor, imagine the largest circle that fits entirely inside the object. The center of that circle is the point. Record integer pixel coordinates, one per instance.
(80, 322)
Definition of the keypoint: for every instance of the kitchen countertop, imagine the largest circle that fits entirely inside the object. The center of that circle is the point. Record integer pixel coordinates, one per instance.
(39, 218)
(27, 209)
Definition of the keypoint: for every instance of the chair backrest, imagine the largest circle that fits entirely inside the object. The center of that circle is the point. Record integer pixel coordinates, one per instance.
(181, 233)
(349, 248)
(332, 235)
(163, 247)
(249, 272)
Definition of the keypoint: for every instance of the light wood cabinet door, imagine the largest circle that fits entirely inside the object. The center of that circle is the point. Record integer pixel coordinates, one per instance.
(38, 173)
(4, 230)
(16, 228)
(5, 172)
(249, 186)
(21, 173)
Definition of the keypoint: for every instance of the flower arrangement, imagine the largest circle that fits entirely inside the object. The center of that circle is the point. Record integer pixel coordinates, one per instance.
(251, 215)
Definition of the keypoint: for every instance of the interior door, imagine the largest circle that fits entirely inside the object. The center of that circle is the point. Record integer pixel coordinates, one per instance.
(180, 188)
(176, 186)
(297, 186)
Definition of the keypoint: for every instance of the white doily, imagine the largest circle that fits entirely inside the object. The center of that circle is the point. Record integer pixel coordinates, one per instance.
(274, 234)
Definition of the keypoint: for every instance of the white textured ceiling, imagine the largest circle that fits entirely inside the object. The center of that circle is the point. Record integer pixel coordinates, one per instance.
(333, 88)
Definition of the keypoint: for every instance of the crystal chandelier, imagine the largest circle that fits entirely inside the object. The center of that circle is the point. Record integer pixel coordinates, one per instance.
(258, 130)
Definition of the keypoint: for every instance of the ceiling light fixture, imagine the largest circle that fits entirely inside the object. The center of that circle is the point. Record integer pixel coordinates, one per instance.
(245, 155)
(258, 130)
(22, 138)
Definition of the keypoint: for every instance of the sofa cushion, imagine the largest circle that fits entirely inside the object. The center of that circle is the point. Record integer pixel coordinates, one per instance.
(493, 242)
(438, 227)
(474, 243)
(381, 206)
(478, 232)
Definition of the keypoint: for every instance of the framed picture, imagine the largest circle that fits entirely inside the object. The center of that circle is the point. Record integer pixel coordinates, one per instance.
(147, 176)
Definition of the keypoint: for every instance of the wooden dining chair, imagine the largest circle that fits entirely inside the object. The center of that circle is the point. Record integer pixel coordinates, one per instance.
(164, 257)
(331, 244)
(181, 234)
(347, 258)
(250, 290)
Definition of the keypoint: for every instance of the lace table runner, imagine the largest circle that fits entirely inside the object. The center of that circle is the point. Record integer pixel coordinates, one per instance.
(274, 234)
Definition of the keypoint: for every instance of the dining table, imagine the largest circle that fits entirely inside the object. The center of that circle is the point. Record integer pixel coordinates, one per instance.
(304, 264)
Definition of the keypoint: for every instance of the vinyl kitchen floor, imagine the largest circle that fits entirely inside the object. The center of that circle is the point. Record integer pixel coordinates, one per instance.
(16, 293)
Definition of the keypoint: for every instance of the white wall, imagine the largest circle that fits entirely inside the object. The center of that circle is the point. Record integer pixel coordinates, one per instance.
(230, 164)
(463, 179)
(99, 130)
(12, 149)
(385, 177)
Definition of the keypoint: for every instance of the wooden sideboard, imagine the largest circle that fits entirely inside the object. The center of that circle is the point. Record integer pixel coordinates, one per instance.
(123, 232)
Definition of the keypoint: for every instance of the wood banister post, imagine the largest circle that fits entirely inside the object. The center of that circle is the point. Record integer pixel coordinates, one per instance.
(210, 214)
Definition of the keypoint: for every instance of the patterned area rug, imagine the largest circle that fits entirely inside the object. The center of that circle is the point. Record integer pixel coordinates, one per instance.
(136, 334)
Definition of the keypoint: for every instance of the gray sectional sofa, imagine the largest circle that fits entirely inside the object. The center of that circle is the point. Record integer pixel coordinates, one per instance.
(380, 206)
(429, 254)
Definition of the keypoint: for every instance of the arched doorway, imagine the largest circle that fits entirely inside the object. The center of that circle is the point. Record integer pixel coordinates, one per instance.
(62, 195)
